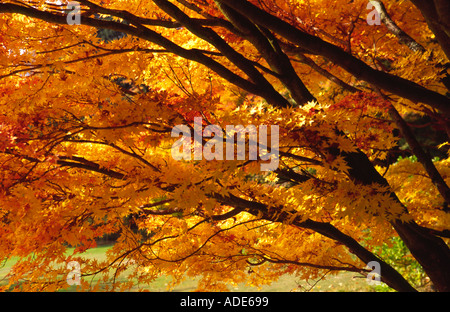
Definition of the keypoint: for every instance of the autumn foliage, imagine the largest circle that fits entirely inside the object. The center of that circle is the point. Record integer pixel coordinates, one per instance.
(85, 140)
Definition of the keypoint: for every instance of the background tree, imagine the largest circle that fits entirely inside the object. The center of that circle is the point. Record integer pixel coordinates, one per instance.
(85, 139)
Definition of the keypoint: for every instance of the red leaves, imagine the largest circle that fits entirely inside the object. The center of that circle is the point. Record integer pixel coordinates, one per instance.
(312, 136)
(361, 101)
(373, 109)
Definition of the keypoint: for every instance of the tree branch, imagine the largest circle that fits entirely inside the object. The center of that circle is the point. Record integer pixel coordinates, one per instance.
(437, 17)
(397, 85)
(269, 94)
(231, 54)
(423, 158)
(403, 37)
(390, 276)
(306, 60)
(270, 50)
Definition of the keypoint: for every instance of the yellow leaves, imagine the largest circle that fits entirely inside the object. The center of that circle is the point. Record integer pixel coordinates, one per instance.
(413, 187)
(444, 144)
(361, 203)
(346, 145)
(58, 188)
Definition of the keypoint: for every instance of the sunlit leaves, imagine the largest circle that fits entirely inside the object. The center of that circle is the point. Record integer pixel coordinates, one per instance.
(85, 151)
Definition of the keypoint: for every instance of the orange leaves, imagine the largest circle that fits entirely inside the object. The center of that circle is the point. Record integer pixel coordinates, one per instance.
(362, 102)
(85, 144)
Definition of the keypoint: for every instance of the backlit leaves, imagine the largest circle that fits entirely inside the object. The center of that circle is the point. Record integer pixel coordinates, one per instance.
(85, 151)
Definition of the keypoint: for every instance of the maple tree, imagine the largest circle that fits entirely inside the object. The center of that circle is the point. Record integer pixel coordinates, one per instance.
(85, 139)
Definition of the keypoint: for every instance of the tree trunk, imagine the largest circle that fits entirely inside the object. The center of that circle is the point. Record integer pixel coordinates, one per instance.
(430, 251)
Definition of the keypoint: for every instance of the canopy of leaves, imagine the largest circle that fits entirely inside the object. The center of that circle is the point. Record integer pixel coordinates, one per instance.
(86, 114)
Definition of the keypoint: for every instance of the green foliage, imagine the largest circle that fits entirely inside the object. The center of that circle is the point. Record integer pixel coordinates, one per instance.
(398, 256)
(413, 158)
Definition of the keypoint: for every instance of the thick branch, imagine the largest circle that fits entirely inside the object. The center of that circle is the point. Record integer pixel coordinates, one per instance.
(213, 38)
(437, 17)
(429, 250)
(306, 60)
(270, 50)
(393, 28)
(138, 20)
(269, 94)
(423, 158)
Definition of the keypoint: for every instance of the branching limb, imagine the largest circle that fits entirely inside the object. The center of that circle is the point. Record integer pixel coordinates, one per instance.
(393, 27)
(397, 85)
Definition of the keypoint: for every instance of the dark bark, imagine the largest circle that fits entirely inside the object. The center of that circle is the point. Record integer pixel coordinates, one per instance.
(268, 46)
(437, 16)
(421, 155)
(388, 275)
(403, 37)
(267, 92)
(385, 81)
(429, 250)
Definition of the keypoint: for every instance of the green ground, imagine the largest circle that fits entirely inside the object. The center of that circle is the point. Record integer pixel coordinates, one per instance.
(344, 282)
